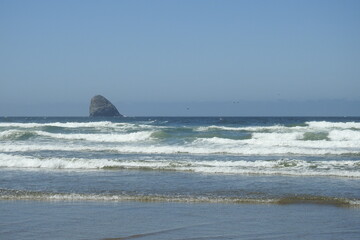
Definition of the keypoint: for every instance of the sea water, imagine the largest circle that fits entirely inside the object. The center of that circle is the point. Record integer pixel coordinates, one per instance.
(180, 178)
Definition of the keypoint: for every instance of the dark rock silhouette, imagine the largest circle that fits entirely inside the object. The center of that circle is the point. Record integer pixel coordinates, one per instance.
(101, 107)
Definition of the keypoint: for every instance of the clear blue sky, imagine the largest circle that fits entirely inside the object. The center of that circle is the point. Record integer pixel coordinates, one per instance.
(180, 57)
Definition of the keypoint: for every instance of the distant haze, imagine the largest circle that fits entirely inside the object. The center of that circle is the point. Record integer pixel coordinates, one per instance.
(180, 58)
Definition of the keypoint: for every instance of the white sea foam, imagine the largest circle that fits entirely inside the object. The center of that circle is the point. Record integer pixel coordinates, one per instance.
(14, 134)
(108, 124)
(277, 137)
(345, 135)
(200, 146)
(324, 124)
(17, 161)
(105, 125)
(31, 147)
(317, 138)
(59, 124)
(311, 125)
(9, 194)
(107, 137)
(117, 137)
(274, 167)
(8, 133)
(248, 129)
(336, 140)
(13, 194)
(278, 143)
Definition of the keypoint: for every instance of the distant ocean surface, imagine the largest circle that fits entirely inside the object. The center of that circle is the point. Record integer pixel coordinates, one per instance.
(207, 162)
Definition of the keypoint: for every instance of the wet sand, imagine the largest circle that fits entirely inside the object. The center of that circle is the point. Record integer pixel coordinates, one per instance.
(136, 220)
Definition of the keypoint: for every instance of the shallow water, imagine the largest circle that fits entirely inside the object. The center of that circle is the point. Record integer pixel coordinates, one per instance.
(173, 186)
(134, 220)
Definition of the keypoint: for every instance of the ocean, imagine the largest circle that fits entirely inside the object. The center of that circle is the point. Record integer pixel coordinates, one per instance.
(180, 178)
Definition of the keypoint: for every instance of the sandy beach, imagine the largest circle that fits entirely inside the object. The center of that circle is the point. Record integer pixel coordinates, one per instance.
(135, 220)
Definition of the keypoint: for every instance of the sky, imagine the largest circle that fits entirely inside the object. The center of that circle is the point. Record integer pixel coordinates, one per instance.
(180, 57)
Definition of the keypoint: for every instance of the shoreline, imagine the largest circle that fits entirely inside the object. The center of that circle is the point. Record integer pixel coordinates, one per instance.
(83, 198)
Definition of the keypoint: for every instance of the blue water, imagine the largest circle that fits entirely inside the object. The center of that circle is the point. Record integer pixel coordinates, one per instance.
(183, 172)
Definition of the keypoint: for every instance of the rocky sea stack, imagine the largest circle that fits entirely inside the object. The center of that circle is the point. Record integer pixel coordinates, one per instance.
(101, 107)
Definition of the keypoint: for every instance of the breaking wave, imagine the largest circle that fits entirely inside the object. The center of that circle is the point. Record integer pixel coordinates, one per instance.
(105, 125)
(16, 135)
(211, 146)
(62, 125)
(106, 137)
(248, 159)
(311, 125)
(292, 167)
(125, 137)
(10, 194)
(312, 138)
(340, 125)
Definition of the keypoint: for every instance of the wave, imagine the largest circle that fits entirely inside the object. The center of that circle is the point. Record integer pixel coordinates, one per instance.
(278, 143)
(294, 137)
(313, 138)
(211, 146)
(147, 143)
(74, 125)
(310, 125)
(126, 137)
(334, 138)
(247, 129)
(341, 125)
(106, 137)
(16, 135)
(292, 167)
(10, 194)
(344, 135)
(152, 124)
(59, 124)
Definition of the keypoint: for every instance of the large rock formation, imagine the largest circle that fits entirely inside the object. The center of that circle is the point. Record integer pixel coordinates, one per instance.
(101, 107)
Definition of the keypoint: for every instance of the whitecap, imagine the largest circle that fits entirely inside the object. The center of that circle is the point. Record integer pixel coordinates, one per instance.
(325, 124)
(111, 137)
(293, 167)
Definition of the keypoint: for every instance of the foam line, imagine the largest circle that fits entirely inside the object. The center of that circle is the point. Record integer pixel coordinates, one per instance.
(291, 167)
